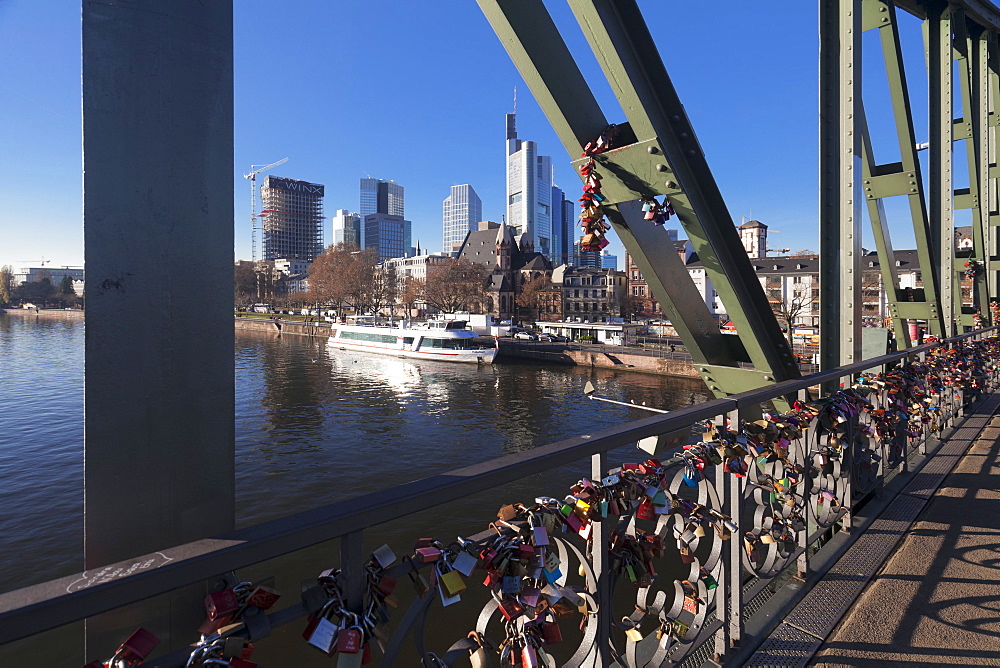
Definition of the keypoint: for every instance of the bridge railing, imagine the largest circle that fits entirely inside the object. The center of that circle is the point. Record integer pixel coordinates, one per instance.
(745, 504)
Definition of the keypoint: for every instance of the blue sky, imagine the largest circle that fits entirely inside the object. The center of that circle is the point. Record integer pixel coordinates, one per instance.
(416, 92)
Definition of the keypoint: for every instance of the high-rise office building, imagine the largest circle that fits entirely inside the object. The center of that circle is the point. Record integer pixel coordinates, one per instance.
(564, 229)
(381, 196)
(292, 218)
(347, 228)
(588, 259)
(462, 211)
(529, 192)
(608, 261)
(389, 235)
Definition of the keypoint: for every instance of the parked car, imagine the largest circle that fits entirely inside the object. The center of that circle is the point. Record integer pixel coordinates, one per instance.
(545, 337)
(526, 336)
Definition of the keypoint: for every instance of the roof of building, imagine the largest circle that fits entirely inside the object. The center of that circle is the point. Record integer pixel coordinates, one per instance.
(751, 224)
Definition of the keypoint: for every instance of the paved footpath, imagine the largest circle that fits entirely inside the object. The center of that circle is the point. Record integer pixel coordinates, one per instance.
(936, 602)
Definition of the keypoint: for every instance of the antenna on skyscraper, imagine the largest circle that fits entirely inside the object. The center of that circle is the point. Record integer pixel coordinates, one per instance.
(515, 100)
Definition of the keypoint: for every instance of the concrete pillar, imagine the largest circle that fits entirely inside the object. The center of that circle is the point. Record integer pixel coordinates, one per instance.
(158, 244)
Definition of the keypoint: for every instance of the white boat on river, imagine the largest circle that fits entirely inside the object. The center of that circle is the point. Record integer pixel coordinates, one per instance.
(441, 340)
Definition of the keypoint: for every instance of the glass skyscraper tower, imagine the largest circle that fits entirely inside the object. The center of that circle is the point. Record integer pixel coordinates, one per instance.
(381, 196)
(529, 192)
(383, 226)
(462, 211)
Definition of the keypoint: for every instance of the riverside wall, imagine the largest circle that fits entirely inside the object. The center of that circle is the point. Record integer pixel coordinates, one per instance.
(604, 357)
(73, 314)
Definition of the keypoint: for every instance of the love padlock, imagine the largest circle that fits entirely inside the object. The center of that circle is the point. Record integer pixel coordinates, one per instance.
(221, 604)
(348, 640)
(138, 646)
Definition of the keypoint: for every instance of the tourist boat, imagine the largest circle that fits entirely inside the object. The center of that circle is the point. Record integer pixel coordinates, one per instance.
(442, 340)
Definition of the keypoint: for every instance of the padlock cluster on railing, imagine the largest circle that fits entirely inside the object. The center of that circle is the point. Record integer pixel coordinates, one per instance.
(796, 470)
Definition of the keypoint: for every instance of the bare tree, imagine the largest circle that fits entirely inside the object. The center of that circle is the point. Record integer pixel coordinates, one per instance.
(456, 286)
(788, 310)
(632, 306)
(411, 294)
(532, 297)
(338, 275)
(382, 288)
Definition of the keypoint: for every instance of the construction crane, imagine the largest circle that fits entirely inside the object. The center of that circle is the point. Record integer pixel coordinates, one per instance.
(252, 176)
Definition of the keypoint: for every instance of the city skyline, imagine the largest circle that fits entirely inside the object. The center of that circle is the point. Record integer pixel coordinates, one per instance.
(765, 163)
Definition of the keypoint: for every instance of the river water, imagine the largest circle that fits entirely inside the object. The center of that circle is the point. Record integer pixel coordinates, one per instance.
(312, 427)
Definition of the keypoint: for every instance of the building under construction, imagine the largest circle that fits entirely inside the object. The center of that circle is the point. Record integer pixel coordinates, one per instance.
(292, 218)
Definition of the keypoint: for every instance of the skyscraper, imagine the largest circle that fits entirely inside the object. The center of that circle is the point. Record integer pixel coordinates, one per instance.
(564, 229)
(529, 192)
(292, 218)
(381, 196)
(347, 228)
(389, 235)
(462, 211)
(383, 226)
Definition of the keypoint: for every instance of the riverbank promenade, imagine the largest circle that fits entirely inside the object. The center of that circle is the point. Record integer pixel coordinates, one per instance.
(935, 599)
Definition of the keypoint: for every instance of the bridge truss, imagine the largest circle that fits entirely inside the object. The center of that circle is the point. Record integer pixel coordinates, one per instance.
(656, 152)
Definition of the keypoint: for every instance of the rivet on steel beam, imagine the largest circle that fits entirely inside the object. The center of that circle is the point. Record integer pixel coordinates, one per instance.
(671, 184)
(661, 168)
(652, 150)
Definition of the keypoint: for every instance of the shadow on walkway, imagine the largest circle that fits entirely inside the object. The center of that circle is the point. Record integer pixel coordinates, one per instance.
(937, 601)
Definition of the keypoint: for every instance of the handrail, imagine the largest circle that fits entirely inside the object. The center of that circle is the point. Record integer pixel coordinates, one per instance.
(45, 606)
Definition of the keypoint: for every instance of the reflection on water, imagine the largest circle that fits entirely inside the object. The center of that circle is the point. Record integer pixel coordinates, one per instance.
(313, 426)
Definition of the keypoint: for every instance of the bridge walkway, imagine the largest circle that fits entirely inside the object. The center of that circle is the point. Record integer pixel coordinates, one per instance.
(921, 586)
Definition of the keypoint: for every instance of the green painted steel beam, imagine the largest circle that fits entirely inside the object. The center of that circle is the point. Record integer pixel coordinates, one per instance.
(990, 83)
(626, 52)
(940, 54)
(841, 191)
(879, 223)
(636, 169)
(892, 56)
(656, 153)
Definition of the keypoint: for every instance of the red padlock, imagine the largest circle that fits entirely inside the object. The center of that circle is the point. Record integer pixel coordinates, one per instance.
(510, 609)
(386, 585)
(551, 633)
(263, 597)
(138, 646)
(348, 640)
(645, 510)
(426, 555)
(221, 604)
(366, 654)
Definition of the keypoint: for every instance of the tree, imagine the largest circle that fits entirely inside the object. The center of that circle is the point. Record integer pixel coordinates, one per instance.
(66, 285)
(805, 252)
(382, 288)
(411, 294)
(7, 286)
(788, 310)
(332, 275)
(633, 306)
(244, 283)
(458, 285)
(36, 291)
(531, 297)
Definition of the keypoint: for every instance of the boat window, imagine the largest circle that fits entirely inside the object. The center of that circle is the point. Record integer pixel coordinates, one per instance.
(367, 336)
(407, 340)
(455, 344)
